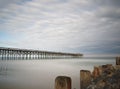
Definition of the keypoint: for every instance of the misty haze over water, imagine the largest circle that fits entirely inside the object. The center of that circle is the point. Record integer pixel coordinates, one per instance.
(41, 74)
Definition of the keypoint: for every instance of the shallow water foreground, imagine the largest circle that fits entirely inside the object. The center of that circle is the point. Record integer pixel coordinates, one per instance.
(41, 74)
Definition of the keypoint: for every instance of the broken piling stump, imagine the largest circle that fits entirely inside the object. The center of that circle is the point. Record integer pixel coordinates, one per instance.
(117, 60)
(96, 72)
(63, 82)
(85, 79)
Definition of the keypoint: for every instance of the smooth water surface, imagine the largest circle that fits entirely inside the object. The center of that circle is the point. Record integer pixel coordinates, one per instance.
(41, 74)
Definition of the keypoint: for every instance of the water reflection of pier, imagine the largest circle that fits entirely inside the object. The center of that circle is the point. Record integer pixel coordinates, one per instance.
(15, 53)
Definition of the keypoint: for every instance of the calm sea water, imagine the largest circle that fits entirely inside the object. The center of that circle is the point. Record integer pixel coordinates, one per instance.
(41, 74)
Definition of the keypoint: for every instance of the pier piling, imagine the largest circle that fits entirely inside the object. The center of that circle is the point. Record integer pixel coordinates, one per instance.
(85, 79)
(117, 60)
(63, 82)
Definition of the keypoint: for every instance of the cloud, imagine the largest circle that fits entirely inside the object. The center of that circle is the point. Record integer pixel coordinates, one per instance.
(62, 25)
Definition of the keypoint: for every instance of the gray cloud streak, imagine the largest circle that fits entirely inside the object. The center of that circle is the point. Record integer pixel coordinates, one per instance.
(70, 25)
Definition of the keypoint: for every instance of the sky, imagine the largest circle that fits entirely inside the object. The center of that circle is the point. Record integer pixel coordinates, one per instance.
(79, 26)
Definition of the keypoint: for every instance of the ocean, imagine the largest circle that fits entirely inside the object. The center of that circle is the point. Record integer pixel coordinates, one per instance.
(41, 74)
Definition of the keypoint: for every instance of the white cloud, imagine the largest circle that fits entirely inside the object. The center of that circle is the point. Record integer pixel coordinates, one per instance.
(60, 26)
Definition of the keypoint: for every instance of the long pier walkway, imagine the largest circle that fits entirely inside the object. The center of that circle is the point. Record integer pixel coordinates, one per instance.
(16, 53)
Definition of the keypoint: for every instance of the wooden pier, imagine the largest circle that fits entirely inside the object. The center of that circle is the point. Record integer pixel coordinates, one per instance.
(16, 53)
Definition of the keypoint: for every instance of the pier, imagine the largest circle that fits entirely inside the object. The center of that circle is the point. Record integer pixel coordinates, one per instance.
(16, 53)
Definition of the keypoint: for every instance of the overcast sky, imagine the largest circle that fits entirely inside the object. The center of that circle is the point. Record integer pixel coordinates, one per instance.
(85, 26)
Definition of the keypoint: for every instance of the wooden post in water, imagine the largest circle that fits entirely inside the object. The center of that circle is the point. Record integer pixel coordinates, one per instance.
(85, 79)
(117, 60)
(63, 82)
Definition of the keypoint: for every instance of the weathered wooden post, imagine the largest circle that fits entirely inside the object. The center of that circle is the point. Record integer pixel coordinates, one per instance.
(85, 79)
(63, 82)
(117, 60)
